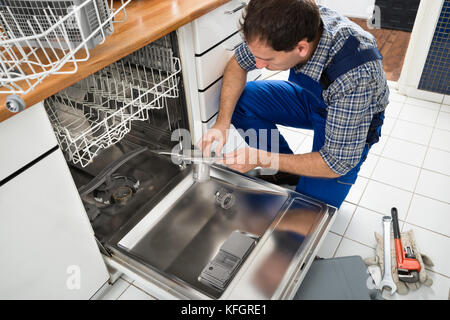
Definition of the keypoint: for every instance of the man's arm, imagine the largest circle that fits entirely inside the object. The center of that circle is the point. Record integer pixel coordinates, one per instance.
(308, 164)
(233, 83)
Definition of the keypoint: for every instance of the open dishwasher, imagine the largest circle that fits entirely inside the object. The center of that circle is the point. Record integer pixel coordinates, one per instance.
(229, 236)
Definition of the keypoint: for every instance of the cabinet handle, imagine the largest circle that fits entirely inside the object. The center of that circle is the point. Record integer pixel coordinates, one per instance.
(243, 4)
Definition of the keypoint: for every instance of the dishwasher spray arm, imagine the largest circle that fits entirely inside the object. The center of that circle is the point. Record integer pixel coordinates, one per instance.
(201, 164)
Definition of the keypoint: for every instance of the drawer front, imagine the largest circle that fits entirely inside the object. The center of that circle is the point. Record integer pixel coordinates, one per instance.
(209, 124)
(210, 98)
(24, 137)
(209, 101)
(211, 65)
(217, 25)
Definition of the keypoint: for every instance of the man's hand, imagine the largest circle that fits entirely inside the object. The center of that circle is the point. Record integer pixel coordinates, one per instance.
(217, 133)
(247, 158)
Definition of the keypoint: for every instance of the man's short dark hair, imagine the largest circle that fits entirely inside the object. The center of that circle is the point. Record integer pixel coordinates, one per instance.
(281, 24)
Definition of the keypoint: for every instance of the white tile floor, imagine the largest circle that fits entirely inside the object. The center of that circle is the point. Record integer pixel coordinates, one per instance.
(409, 169)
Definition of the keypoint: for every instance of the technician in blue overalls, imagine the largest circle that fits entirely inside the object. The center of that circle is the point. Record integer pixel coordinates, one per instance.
(337, 87)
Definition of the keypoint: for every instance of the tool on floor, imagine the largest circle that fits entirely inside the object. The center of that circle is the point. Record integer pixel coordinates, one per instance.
(408, 267)
(387, 280)
(408, 239)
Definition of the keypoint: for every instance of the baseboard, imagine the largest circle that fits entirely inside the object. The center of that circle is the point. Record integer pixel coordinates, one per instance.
(421, 94)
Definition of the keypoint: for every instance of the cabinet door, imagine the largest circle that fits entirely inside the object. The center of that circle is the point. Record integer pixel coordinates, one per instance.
(47, 245)
(217, 25)
(23, 138)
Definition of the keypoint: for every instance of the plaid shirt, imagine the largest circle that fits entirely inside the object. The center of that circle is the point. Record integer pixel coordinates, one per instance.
(351, 100)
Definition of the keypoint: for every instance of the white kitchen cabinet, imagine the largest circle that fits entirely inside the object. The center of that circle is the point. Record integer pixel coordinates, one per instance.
(219, 24)
(47, 245)
(24, 137)
(206, 45)
(211, 65)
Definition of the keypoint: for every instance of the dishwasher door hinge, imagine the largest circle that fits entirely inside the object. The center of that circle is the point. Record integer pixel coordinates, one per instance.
(103, 249)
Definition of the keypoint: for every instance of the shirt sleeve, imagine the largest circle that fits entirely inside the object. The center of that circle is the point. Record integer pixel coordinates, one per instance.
(245, 58)
(348, 120)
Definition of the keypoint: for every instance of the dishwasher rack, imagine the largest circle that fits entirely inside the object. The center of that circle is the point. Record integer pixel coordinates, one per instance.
(38, 38)
(97, 112)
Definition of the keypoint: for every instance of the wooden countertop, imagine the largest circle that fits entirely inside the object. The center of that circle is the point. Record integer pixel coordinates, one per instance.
(147, 20)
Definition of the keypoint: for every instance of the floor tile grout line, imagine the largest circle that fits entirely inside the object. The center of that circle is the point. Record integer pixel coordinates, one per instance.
(126, 279)
(416, 166)
(391, 185)
(412, 142)
(422, 107)
(339, 244)
(417, 101)
(414, 122)
(400, 161)
(421, 169)
(437, 118)
(417, 123)
(129, 284)
(371, 173)
(353, 213)
(420, 173)
(420, 144)
(140, 289)
(359, 242)
(404, 220)
(348, 224)
(401, 189)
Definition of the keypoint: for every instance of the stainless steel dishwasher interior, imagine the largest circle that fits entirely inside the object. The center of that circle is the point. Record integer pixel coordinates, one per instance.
(187, 228)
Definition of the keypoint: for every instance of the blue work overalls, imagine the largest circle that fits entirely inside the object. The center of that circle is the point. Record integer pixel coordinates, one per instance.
(299, 103)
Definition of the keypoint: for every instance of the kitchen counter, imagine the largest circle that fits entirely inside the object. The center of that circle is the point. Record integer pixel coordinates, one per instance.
(147, 21)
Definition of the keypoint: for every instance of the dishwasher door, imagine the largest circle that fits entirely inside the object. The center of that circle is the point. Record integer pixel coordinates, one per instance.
(190, 229)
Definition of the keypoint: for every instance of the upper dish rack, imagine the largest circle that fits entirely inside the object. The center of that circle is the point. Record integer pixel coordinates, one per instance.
(38, 38)
(97, 112)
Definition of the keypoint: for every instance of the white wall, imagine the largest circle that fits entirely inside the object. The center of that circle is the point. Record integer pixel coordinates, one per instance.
(350, 8)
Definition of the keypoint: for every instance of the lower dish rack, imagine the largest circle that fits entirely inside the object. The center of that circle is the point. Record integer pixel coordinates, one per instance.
(97, 112)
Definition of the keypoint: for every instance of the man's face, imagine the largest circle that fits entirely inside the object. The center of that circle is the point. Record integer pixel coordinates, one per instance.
(268, 58)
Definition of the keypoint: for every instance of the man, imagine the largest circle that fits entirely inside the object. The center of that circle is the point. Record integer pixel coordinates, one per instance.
(337, 87)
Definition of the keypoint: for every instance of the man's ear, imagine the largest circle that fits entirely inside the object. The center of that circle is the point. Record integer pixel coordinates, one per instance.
(303, 48)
